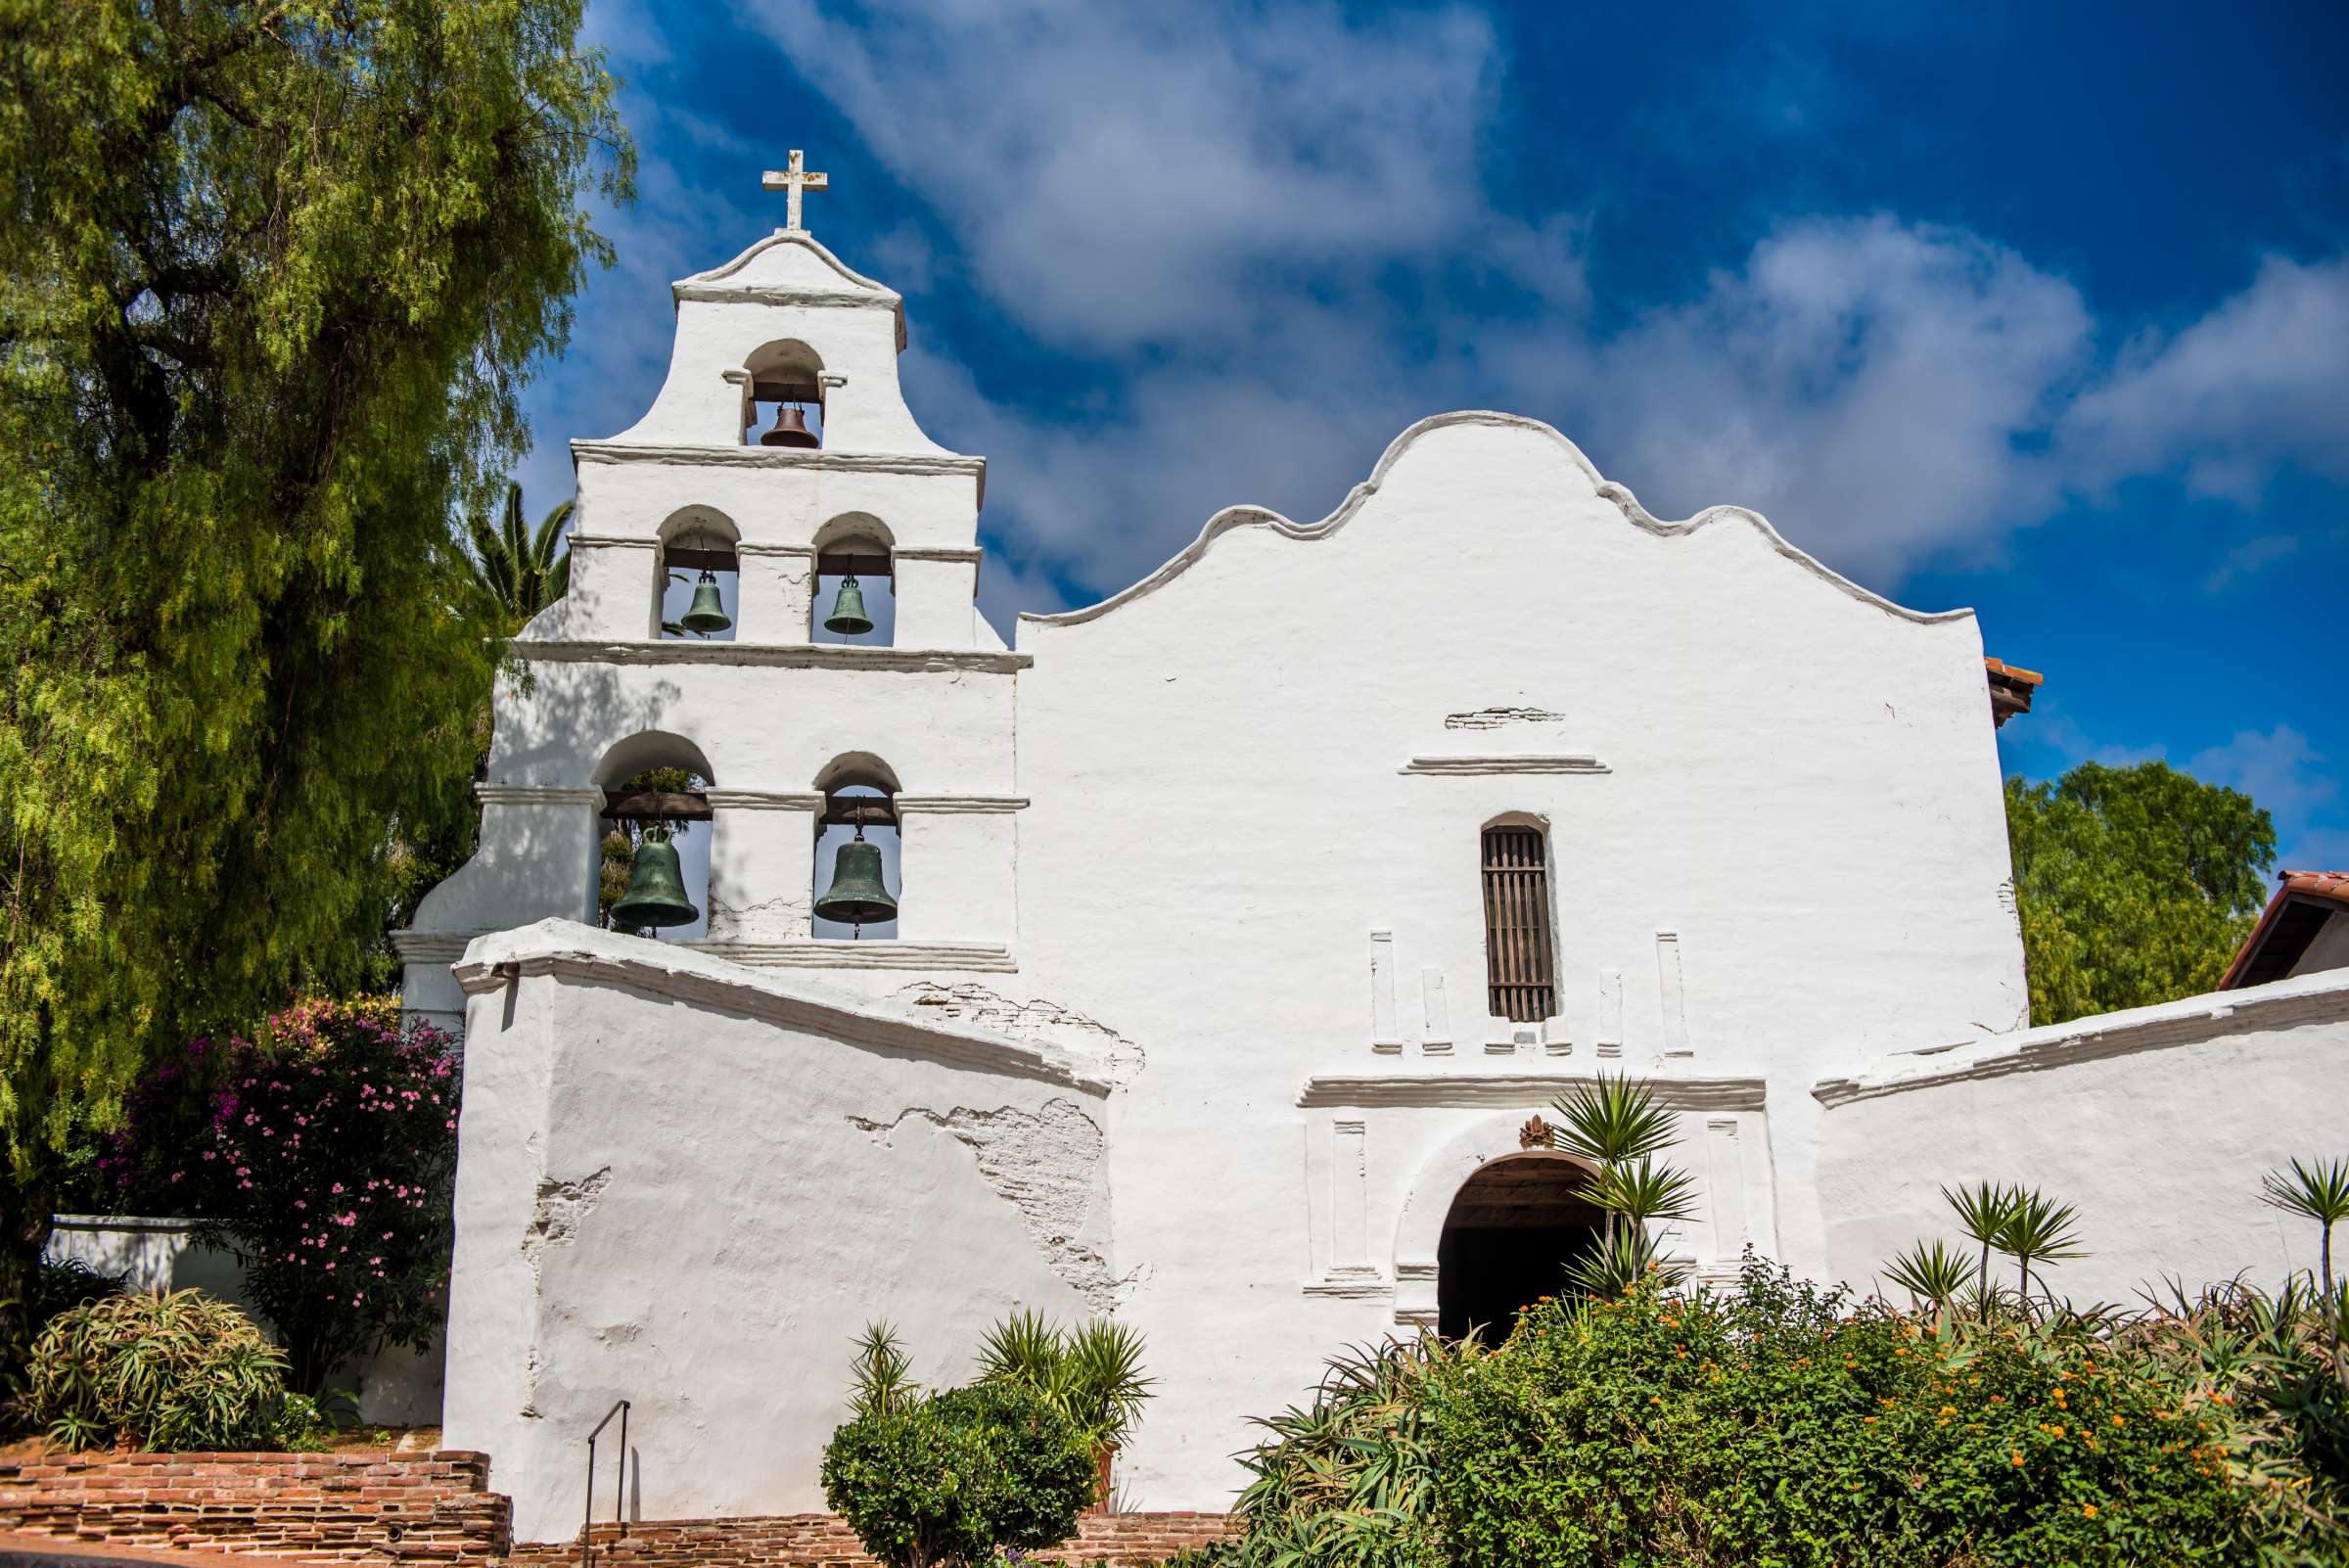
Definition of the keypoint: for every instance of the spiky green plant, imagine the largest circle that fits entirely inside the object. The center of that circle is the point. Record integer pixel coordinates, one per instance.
(878, 1382)
(1982, 1211)
(1091, 1374)
(1644, 1190)
(2038, 1229)
(515, 565)
(1609, 1120)
(2317, 1191)
(1935, 1275)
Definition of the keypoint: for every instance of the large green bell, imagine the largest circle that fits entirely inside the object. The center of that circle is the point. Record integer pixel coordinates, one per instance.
(848, 616)
(656, 895)
(858, 897)
(706, 614)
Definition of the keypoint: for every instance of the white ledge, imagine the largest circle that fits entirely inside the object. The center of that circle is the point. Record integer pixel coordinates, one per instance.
(2318, 998)
(1572, 762)
(771, 295)
(490, 794)
(763, 800)
(434, 946)
(959, 804)
(770, 654)
(1533, 1089)
(832, 952)
(569, 951)
(821, 460)
(1236, 517)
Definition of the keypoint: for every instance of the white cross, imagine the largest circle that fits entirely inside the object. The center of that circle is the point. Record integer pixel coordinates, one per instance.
(792, 181)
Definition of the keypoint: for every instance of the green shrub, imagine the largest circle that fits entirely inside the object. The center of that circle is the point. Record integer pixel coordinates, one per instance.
(175, 1371)
(957, 1477)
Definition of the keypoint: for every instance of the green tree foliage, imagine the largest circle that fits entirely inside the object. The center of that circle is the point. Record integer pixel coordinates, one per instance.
(2135, 885)
(955, 1478)
(519, 569)
(271, 273)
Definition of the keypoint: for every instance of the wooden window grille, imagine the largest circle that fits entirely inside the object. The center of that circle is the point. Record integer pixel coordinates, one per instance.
(1517, 944)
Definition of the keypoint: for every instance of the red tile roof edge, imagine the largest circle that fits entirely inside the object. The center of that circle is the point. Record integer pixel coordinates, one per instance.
(2015, 672)
(2332, 885)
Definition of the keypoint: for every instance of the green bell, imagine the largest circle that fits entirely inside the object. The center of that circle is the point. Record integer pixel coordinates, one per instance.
(856, 897)
(707, 615)
(848, 616)
(656, 895)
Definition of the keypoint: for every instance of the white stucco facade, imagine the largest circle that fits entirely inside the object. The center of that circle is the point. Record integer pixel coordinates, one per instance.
(1186, 1015)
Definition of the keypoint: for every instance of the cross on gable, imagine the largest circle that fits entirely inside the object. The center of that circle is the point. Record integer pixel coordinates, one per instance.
(792, 182)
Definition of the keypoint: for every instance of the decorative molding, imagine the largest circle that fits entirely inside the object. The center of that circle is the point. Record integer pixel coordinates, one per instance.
(771, 655)
(1465, 1090)
(1367, 1284)
(611, 541)
(537, 794)
(434, 946)
(819, 459)
(959, 804)
(1386, 1031)
(759, 547)
(1610, 1012)
(677, 971)
(1671, 996)
(825, 952)
(1472, 766)
(937, 552)
(1434, 1032)
(764, 800)
(1236, 517)
(768, 294)
(805, 242)
(2318, 998)
(137, 1224)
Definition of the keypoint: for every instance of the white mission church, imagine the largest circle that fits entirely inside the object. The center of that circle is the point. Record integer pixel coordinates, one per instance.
(1229, 952)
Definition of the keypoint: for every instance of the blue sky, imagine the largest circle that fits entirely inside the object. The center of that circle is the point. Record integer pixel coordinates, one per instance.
(2042, 310)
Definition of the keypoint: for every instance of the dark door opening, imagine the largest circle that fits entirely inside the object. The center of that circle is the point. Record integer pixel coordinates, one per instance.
(1513, 1229)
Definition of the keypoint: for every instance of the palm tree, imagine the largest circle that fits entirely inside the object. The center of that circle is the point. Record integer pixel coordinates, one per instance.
(2038, 1229)
(1983, 1211)
(517, 567)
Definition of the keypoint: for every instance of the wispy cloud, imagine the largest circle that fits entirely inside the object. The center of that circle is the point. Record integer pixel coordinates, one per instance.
(2249, 558)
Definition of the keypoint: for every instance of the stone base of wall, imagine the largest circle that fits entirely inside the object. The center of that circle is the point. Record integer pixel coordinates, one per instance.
(822, 1540)
(319, 1507)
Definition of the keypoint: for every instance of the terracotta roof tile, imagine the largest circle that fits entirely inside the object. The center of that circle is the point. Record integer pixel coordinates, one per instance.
(2320, 884)
(2286, 925)
(2015, 672)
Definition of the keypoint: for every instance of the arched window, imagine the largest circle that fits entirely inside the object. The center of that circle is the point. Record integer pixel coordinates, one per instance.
(698, 588)
(857, 891)
(1519, 964)
(856, 585)
(783, 396)
(654, 788)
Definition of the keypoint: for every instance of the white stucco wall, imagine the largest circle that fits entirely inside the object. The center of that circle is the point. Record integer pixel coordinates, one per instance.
(2158, 1122)
(690, 1184)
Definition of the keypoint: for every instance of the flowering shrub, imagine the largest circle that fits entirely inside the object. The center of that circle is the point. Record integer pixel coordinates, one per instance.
(1788, 1425)
(320, 1153)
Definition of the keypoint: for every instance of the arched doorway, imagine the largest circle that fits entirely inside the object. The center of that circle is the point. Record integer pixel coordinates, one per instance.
(1513, 1227)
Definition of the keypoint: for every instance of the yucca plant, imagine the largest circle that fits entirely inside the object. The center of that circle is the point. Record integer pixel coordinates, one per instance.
(1093, 1374)
(1616, 1123)
(878, 1382)
(1934, 1274)
(2038, 1229)
(1982, 1211)
(2319, 1192)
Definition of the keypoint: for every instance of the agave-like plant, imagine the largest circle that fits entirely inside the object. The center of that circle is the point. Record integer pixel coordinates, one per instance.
(1616, 1123)
(1934, 1273)
(1093, 1374)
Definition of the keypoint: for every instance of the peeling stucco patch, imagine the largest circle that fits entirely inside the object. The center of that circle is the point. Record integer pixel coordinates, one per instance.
(1496, 717)
(1046, 1165)
(561, 1206)
(1036, 1018)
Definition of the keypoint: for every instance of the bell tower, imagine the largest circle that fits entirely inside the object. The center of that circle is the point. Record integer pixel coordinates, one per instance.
(778, 453)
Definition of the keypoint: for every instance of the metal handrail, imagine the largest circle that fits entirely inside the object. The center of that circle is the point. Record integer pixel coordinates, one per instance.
(620, 1479)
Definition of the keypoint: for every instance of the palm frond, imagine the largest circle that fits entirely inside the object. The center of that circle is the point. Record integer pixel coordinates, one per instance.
(1611, 1120)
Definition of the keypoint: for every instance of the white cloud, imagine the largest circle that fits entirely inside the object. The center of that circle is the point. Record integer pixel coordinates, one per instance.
(2263, 378)
(2247, 558)
(2279, 769)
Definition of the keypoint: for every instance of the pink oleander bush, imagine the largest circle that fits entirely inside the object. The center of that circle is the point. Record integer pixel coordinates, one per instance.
(320, 1153)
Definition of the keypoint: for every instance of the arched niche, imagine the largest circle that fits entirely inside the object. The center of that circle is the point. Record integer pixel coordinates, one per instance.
(856, 546)
(654, 779)
(700, 545)
(859, 793)
(779, 374)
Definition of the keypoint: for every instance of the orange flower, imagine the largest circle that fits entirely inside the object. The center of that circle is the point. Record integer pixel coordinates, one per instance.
(2019, 1458)
(2087, 1510)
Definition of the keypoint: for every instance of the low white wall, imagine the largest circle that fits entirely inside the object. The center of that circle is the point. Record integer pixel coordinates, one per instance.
(689, 1184)
(398, 1388)
(2158, 1122)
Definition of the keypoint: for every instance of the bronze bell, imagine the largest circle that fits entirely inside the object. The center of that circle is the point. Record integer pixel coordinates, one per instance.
(706, 614)
(789, 429)
(656, 895)
(848, 616)
(858, 896)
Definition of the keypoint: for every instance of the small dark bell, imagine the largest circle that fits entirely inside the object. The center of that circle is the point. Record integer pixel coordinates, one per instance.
(706, 614)
(789, 429)
(656, 895)
(856, 897)
(848, 616)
